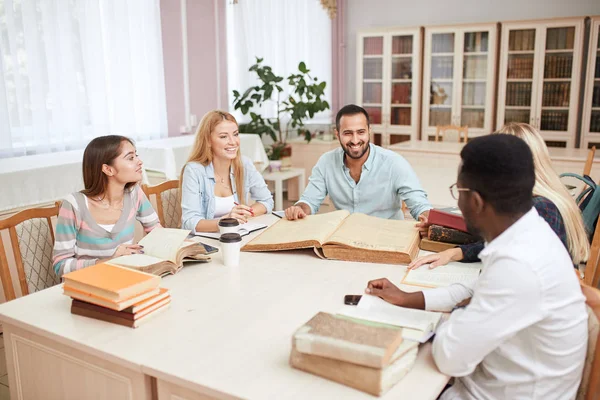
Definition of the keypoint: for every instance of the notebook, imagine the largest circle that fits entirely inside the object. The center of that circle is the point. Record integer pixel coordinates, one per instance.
(243, 230)
(445, 275)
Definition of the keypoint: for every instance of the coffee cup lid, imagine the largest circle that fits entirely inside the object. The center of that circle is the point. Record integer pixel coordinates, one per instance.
(230, 238)
(228, 222)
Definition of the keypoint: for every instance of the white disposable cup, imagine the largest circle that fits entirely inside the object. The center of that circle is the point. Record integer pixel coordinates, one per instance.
(228, 225)
(230, 246)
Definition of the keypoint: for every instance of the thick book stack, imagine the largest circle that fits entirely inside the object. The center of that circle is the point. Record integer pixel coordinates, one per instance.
(366, 357)
(115, 294)
(447, 230)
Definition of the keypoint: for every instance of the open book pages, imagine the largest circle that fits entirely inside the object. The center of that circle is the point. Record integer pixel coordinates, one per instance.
(445, 275)
(310, 231)
(418, 325)
(243, 230)
(164, 243)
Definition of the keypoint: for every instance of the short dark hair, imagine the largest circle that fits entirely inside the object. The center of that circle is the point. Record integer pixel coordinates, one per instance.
(350, 109)
(500, 168)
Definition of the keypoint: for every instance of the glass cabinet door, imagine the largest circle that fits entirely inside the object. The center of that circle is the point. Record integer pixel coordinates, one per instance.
(442, 79)
(519, 74)
(372, 84)
(474, 79)
(558, 72)
(402, 76)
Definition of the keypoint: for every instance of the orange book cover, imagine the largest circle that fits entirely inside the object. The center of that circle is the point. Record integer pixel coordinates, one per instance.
(111, 282)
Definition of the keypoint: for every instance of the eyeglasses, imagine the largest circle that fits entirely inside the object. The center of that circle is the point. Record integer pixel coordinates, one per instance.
(455, 191)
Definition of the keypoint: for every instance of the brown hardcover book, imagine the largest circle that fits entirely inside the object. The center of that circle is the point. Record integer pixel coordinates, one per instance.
(122, 314)
(110, 282)
(102, 316)
(448, 235)
(340, 235)
(165, 250)
(113, 305)
(329, 336)
(436, 247)
(375, 381)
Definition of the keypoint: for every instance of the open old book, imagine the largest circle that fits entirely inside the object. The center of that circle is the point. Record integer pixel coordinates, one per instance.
(340, 235)
(165, 250)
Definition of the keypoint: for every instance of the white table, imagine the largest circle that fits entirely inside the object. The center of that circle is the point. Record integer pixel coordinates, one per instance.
(170, 154)
(279, 177)
(227, 335)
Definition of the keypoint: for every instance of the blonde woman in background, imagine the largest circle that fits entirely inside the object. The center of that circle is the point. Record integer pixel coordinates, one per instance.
(551, 200)
(217, 180)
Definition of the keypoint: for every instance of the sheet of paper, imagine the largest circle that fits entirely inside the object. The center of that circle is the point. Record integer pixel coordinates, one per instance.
(164, 243)
(445, 275)
(135, 260)
(243, 230)
(416, 322)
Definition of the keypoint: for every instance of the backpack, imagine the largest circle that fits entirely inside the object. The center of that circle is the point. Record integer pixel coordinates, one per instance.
(588, 201)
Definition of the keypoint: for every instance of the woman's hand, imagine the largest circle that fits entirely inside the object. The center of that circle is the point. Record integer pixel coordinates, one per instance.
(438, 259)
(126, 249)
(241, 212)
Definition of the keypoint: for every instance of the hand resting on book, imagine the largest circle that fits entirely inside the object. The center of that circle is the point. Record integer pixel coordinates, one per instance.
(392, 294)
(438, 259)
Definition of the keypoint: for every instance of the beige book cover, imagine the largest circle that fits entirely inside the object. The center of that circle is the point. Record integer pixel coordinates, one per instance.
(165, 250)
(340, 235)
(374, 381)
(329, 336)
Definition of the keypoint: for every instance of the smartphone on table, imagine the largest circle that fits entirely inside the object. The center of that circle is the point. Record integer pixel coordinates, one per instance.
(352, 299)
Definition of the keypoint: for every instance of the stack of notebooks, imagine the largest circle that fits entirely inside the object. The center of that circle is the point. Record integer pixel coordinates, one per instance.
(360, 355)
(447, 230)
(115, 294)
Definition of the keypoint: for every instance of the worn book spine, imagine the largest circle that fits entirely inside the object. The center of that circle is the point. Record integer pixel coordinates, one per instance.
(447, 219)
(448, 235)
(436, 247)
(374, 381)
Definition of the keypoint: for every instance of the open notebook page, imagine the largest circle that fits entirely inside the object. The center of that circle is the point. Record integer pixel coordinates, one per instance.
(136, 260)
(445, 275)
(164, 243)
(418, 325)
(371, 233)
(313, 227)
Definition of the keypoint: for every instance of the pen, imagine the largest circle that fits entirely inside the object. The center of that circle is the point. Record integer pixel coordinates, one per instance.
(251, 212)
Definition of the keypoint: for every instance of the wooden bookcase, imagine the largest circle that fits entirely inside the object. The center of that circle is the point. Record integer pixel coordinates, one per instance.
(540, 64)
(590, 127)
(388, 82)
(458, 78)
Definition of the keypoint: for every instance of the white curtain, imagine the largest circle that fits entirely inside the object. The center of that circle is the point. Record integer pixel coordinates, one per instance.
(283, 33)
(72, 70)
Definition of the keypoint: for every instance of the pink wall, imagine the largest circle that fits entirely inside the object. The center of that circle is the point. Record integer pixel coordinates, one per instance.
(207, 52)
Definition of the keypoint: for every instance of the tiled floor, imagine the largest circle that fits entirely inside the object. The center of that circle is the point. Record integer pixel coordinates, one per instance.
(4, 393)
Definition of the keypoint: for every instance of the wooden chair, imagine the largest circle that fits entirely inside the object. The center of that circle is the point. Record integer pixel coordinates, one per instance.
(592, 274)
(168, 202)
(587, 168)
(589, 388)
(441, 130)
(32, 241)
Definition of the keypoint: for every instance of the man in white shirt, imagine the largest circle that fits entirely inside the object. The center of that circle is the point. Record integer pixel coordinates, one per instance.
(524, 333)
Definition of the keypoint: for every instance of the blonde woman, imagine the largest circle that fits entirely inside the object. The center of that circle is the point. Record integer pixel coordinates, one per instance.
(217, 180)
(551, 199)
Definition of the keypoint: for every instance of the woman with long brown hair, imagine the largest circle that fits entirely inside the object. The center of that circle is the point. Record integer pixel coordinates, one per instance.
(217, 181)
(98, 223)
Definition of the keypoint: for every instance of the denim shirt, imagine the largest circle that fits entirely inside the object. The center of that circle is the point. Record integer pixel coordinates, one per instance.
(198, 191)
(386, 180)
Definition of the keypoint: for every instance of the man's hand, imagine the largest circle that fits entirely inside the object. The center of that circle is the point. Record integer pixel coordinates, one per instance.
(389, 292)
(423, 223)
(294, 212)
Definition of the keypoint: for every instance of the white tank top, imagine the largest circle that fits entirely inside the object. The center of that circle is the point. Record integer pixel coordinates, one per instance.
(223, 205)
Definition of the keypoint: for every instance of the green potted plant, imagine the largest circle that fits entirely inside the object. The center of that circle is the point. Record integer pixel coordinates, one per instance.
(304, 101)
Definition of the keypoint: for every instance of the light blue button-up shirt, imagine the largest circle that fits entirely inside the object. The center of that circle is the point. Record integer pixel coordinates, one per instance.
(386, 180)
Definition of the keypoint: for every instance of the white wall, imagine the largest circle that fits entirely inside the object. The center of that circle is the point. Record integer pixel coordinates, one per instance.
(365, 14)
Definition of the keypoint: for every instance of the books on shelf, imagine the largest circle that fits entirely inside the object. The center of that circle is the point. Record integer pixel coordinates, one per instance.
(444, 275)
(165, 250)
(520, 66)
(418, 325)
(354, 353)
(340, 235)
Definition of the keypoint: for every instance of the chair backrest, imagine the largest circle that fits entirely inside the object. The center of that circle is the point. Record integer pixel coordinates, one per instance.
(32, 242)
(592, 273)
(589, 388)
(463, 132)
(168, 202)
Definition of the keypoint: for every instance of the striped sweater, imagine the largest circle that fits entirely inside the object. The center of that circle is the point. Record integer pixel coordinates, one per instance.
(80, 241)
